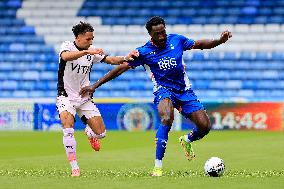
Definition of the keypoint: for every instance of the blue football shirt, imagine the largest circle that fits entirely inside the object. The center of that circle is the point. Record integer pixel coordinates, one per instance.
(165, 65)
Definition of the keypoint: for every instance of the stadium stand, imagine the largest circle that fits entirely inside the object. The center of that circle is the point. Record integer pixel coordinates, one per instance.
(250, 66)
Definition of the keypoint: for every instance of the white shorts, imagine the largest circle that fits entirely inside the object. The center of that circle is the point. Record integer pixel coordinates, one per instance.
(87, 109)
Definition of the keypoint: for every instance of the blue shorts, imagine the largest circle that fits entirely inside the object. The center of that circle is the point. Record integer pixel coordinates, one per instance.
(185, 102)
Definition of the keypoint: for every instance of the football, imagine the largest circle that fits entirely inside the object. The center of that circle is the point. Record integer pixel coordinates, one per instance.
(214, 167)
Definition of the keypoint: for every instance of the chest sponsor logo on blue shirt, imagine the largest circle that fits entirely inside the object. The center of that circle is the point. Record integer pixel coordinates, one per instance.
(167, 63)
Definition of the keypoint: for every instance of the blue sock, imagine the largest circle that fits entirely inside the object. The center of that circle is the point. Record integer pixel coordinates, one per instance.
(161, 141)
(196, 134)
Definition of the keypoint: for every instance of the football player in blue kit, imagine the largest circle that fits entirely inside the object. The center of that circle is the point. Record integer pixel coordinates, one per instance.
(162, 59)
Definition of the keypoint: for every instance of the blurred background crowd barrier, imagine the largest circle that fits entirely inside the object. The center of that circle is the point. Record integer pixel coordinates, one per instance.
(142, 116)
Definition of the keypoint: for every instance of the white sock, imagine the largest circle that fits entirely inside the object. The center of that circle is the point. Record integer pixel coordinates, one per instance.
(89, 132)
(158, 163)
(69, 143)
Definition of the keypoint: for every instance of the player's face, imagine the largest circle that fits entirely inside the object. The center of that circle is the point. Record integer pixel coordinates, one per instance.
(159, 35)
(85, 40)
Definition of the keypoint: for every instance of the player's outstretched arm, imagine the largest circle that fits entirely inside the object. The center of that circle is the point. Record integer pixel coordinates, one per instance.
(211, 43)
(115, 60)
(107, 77)
(73, 55)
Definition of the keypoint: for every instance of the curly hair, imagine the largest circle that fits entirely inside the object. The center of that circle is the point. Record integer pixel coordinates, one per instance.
(82, 28)
(154, 21)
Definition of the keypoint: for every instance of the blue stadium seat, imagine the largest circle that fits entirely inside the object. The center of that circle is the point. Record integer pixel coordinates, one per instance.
(14, 3)
(52, 85)
(198, 56)
(201, 84)
(122, 21)
(17, 47)
(26, 85)
(102, 93)
(42, 85)
(14, 75)
(136, 85)
(8, 85)
(262, 56)
(50, 93)
(20, 94)
(229, 93)
(6, 94)
(37, 94)
(249, 84)
(48, 75)
(214, 56)
(27, 30)
(276, 19)
(261, 20)
(262, 93)
(249, 11)
(277, 56)
(7, 66)
(230, 56)
(53, 67)
(245, 55)
(245, 93)
(31, 75)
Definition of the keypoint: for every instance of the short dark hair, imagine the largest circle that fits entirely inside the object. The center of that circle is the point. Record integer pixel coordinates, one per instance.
(82, 28)
(154, 21)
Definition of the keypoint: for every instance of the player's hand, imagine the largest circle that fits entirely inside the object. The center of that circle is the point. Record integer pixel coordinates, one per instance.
(132, 55)
(96, 51)
(87, 91)
(225, 36)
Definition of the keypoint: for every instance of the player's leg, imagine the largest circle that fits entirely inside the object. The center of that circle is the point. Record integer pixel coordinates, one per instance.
(166, 113)
(192, 109)
(95, 129)
(67, 120)
(202, 122)
(97, 125)
(69, 141)
(203, 125)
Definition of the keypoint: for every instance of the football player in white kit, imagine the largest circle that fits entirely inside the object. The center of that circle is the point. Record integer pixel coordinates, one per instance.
(76, 60)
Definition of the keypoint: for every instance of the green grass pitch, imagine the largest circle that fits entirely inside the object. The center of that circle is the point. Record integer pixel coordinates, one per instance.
(37, 160)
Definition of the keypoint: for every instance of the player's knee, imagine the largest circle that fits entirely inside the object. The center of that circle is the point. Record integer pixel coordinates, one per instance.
(67, 126)
(166, 120)
(206, 128)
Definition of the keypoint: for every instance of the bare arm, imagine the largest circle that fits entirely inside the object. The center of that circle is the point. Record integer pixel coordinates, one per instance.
(107, 77)
(115, 60)
(73, 55)
(211, 43)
